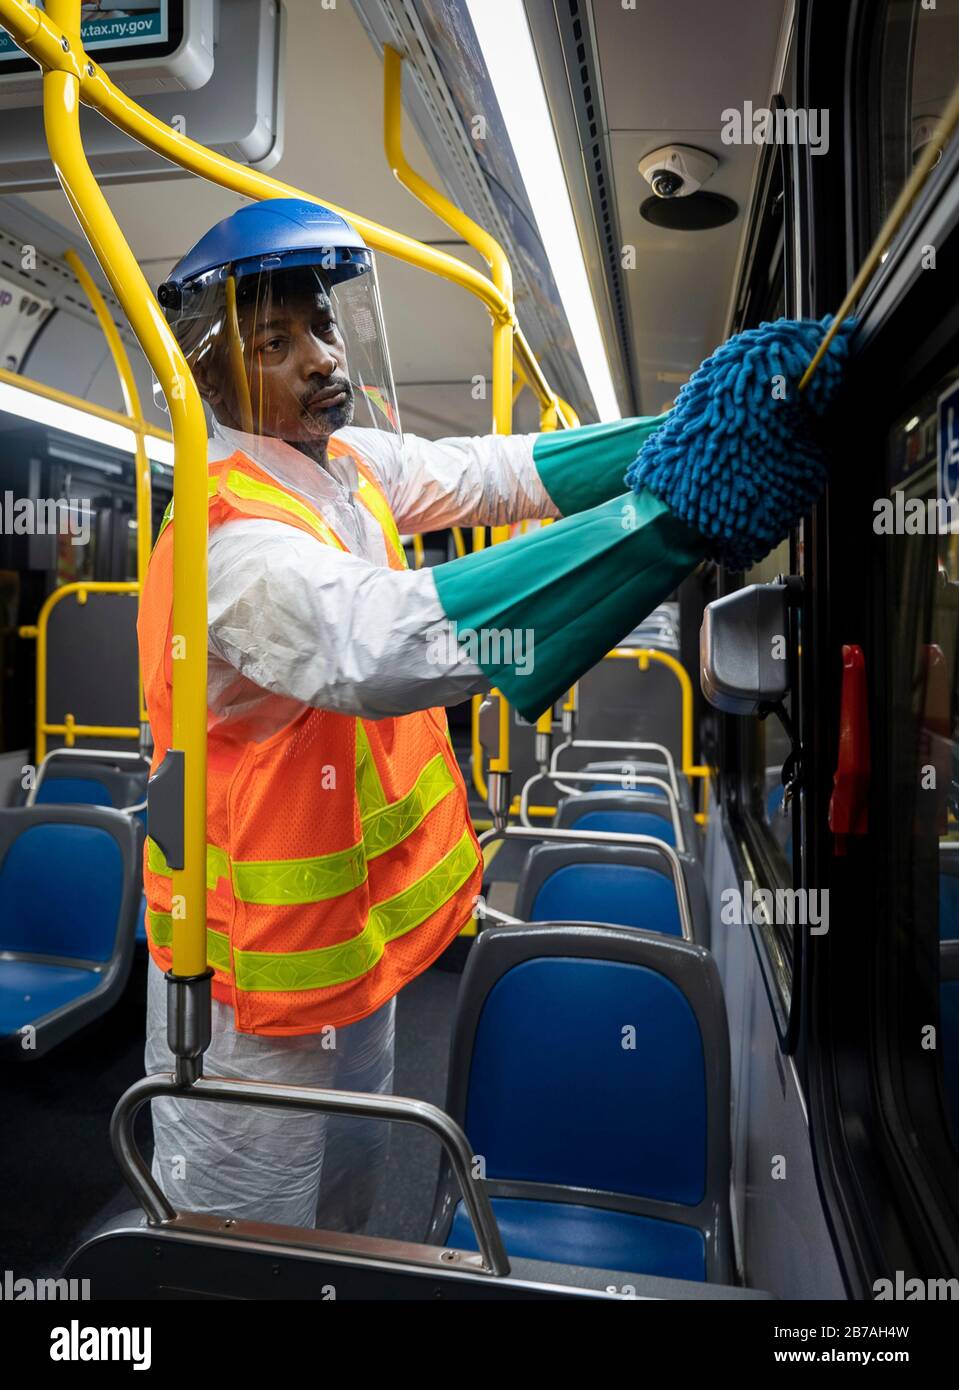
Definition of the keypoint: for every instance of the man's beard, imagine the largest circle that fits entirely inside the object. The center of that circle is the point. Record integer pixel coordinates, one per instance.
(324, 421)
(319, 424)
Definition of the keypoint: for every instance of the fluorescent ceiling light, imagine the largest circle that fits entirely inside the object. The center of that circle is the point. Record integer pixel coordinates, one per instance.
(503, 34)
(29, 406)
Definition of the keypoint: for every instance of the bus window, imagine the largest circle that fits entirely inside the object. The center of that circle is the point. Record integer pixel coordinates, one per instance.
(917, 72)
(922, 574)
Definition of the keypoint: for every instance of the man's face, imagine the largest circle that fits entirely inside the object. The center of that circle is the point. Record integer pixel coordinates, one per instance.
(294, 362)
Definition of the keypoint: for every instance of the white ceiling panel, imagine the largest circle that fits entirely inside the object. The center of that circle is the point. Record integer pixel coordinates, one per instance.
(675, 65)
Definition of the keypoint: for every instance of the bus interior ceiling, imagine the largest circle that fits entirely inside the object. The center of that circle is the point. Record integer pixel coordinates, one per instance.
(725, 796)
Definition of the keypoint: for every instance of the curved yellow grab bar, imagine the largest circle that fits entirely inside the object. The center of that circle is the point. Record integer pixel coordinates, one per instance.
(61, 100)
(471, 232)
(69, 729)
(131, 399)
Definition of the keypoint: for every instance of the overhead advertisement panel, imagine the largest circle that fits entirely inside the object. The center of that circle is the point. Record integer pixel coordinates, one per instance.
(238, 112)
(153, 44)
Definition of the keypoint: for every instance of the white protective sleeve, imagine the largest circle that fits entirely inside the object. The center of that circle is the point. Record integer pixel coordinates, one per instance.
(325, 628)
(295, 623)
(483, 480)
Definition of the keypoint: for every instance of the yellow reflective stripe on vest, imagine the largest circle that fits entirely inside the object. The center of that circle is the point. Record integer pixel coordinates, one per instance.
(293, 882)
(348, 960)
(369, 788)
(378, 507)
(211, 490)
(160, 926)
(384, 829)
(252, 490)
(217, 863)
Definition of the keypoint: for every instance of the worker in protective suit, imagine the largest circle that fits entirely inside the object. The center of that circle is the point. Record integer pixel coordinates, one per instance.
(341, 858)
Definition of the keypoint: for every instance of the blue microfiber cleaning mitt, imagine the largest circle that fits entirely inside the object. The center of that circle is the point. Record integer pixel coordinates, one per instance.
(738, 457)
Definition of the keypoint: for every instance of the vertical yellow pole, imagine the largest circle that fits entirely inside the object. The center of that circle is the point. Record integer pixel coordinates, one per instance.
(133, 407)
(62, 123)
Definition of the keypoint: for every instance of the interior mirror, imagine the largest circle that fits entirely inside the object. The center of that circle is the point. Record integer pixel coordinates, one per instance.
(743, 649)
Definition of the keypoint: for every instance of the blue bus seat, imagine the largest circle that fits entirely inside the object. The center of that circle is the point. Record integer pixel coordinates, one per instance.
(91, 781)
(73, 791)
(621, 885)
(638, 769)
(69, 891)
(598, 1144)
(623, 813)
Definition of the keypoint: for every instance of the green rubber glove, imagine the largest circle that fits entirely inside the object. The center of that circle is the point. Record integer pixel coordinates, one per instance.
(566, 594)
(583, 467)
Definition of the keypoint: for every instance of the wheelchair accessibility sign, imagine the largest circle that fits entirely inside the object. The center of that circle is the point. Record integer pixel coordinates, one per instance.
(948, 425)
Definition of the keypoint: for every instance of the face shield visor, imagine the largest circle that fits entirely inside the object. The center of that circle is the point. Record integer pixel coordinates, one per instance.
(289, 346)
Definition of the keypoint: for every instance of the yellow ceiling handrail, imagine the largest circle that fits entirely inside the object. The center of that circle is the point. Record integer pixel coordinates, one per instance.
(101, 412)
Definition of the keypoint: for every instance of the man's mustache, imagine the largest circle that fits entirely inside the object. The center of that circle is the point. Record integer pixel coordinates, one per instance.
(330, 388)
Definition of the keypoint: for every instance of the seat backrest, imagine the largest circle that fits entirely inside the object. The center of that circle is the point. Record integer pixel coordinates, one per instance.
(636, 768)
(622, 813)
(622, 885)
(90, 783)
(73, 791)
(625, 895)
(68, 879)
(594, 1057)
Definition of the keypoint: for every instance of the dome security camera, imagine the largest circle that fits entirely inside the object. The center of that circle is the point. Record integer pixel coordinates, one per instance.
(675, 171)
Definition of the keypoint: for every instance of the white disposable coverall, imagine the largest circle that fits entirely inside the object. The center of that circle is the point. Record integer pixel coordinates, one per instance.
(295, 623)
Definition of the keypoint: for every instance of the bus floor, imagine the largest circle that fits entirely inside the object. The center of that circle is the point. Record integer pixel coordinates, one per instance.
(58, 1176)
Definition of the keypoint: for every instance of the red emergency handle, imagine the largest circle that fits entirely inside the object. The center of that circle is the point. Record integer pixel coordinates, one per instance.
(849, 803)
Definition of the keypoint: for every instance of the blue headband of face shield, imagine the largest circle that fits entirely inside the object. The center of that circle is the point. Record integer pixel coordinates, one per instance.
(336, 264)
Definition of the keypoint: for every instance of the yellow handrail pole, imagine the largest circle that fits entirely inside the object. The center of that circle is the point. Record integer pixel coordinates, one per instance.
(237, 361)
(491, 251)
(131, 399)
(62, 124)
(568, 414)
(471, 232)
(643, 656)
(100, 412)
(38, 631)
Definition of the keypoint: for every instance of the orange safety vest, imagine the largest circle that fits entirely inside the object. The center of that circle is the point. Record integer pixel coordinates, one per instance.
(341, 859)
